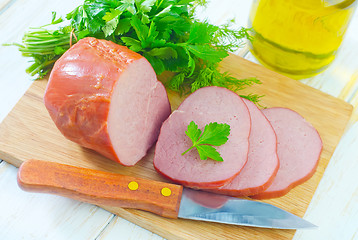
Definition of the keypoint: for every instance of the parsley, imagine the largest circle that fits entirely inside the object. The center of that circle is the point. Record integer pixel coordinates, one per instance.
(215, 134)
(165, 32)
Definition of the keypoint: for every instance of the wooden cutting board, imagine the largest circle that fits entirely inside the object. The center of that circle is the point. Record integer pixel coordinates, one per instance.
(28, 132)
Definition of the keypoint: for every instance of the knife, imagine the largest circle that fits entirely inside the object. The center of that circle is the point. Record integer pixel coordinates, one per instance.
(165, 199)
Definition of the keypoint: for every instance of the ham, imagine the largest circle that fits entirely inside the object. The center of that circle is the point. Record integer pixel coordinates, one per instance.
(107, 98)
(262, 164)
(298, 147)
(209, 104)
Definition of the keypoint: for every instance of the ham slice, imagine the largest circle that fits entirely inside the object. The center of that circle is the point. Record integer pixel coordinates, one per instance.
(107, 98)
(262, 164)
(209, 104)
(298, 147)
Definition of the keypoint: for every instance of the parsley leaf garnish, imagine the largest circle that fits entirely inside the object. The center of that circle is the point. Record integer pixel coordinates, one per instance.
(215, 134)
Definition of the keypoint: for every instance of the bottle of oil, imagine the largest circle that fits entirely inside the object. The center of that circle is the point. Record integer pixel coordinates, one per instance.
(298, 38)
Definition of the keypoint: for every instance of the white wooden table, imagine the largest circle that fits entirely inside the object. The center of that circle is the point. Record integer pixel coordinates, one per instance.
(39, 216)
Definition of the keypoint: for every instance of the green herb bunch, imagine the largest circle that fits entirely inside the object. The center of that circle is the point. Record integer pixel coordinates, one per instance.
(165, 32)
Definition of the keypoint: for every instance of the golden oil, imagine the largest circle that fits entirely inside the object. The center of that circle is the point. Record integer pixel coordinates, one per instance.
(298, 38)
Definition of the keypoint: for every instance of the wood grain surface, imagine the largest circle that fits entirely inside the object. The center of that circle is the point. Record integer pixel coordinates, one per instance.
(28, 132)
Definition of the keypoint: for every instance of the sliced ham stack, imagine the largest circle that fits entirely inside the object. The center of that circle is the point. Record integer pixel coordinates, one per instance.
(206, 105)
(284, 149)
(107, 98)
(298, 147)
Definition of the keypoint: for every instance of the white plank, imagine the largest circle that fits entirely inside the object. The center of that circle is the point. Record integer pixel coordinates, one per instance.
(13, 23)
(127, 230)
(4, 4)
(221, 11)
(42, 216)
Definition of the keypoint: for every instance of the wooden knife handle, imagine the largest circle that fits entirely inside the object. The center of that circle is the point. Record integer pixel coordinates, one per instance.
(102, 188)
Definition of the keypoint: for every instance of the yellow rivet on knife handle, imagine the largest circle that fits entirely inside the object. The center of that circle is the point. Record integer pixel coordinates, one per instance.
(133, 186)
(166, 192)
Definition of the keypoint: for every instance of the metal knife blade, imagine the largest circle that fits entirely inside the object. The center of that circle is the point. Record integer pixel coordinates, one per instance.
(194, 205)
(165, 199)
